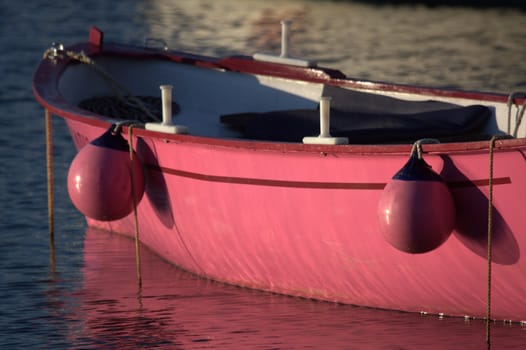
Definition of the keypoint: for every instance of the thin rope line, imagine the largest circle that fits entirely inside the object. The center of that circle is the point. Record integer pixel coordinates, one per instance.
(135, 216)
(490, 228)
(50, 191)
(520, 115)
(55, 53)
(519, 112)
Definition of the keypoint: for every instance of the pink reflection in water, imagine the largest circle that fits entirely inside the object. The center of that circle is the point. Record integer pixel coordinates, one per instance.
(177, 310)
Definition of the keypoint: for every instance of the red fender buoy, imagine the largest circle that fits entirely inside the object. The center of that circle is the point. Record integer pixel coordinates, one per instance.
(99, 178)
(416, 212)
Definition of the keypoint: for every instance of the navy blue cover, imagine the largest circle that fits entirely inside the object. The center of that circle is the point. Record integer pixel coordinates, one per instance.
(367, 119)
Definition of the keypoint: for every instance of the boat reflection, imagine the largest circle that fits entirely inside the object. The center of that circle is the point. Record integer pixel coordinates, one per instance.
(175, 309)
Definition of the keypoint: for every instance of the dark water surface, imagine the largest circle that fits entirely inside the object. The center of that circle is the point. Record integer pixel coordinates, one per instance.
(90, 299)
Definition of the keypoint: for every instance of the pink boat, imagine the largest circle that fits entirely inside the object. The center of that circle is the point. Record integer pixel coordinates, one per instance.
(269, 172)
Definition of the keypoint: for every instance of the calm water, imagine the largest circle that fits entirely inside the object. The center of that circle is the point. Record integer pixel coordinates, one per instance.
(90, 299)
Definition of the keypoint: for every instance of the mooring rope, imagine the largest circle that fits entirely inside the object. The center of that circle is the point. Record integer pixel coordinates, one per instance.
(417, 146)
(117, 129)
(50, 192)
(519, 114)
(55, 53)
(135, 215)
(490, 229)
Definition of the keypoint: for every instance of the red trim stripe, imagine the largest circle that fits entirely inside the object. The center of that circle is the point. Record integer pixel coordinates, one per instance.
(479, 183)
(313, 184)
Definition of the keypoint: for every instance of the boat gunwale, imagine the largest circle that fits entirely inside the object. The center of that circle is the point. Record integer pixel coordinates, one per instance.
(46, 81)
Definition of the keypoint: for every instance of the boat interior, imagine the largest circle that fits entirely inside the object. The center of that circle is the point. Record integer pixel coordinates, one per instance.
(228, 104)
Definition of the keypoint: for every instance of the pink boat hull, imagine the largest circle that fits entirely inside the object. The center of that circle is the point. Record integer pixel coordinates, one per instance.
(305, 225)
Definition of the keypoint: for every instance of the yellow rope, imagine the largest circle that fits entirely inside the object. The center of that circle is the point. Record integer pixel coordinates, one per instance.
(490, 228)
(135, 216)
(519, 114)
(50, 192)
